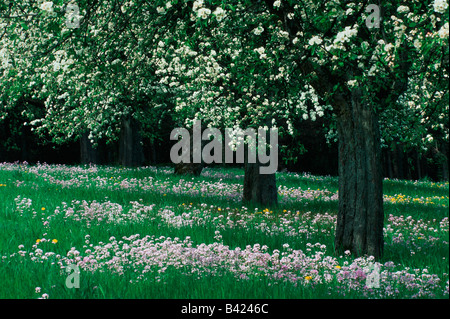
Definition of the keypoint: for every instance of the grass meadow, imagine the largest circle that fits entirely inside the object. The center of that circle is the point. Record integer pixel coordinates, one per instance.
(146, 233)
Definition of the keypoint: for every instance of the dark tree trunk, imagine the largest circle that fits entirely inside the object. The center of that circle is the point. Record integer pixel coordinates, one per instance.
(88, 154)
(389, 163)
(399, 159)
(418, 165)
(259, 188)
(360, 217)
(441, 158)
(192, 168)
(188, 169)
(130, 148)
(23, 145)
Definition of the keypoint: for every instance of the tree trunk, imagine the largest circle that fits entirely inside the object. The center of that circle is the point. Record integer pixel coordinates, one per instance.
(418, 165)
(259, 188)
(196, 164)
(442, 160)
(389, 162)
(88, 153)
(399, 159)
(360, 217)
(130, 147)
(194, 169)
(188, 169)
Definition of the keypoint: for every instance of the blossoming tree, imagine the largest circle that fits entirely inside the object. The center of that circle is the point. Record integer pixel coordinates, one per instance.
(88, 60)
(239, 63)
(259, 60)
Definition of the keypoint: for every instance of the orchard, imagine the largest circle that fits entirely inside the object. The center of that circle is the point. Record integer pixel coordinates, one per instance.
(356, 88)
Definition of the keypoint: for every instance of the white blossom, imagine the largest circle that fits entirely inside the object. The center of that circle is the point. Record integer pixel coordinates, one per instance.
(261, 52)
(344, 36)
(258, 30)
(403, 9)
(440, 6)
(47, 6)
(352, 83)
(203, 13)
(443, 32)
(197, 5)
(219, 13)
(315, 40)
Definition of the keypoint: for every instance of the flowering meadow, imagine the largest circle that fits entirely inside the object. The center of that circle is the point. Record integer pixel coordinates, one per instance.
(147, 233)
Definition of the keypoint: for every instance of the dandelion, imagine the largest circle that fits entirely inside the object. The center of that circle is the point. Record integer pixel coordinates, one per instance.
(338, 267)
(38, 241)
(43, 208)
(308, 278)
(54, 241)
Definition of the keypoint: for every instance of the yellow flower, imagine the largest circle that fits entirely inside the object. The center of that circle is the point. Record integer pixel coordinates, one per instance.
(43, 208)
(38, 241)
(308, 277)
(219, 209)
(54, 241)
(338, 267)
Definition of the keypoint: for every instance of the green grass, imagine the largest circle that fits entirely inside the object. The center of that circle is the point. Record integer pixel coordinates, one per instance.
(216, 223)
